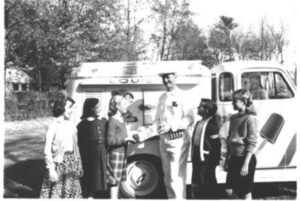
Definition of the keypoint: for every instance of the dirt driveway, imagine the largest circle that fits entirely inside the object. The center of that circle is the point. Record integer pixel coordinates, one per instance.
(23, 153)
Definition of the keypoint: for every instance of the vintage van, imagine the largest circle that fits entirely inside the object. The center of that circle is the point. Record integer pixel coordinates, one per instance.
(273, 92)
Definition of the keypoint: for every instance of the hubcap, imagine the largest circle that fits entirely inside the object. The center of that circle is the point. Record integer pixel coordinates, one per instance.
(142, 178)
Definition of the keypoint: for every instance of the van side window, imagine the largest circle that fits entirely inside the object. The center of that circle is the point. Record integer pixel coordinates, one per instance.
(282, 89)
(226, 86)
(266, 85)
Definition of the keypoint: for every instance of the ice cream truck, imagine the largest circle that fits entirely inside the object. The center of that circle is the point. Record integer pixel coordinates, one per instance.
(273, 93)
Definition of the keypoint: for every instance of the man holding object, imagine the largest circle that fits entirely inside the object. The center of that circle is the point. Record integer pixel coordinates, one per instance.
(172, 120)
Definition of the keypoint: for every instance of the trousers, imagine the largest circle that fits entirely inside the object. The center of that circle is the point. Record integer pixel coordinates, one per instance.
(174, 155)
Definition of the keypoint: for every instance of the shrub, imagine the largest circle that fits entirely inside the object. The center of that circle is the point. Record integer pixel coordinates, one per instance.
(26, 105)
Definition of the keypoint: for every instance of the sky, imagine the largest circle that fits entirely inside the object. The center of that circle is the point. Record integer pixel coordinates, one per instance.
(248, 13)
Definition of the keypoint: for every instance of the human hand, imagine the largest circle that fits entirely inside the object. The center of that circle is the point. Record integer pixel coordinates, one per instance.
(136, 137)
(244, 170)
(163, 128)
(80, 170)
(53, 176)
(130, 139)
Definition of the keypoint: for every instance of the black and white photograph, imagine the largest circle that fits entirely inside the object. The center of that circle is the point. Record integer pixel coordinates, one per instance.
(150, 99)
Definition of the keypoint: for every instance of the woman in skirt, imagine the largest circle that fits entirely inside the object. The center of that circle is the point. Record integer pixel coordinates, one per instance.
(62, 156)
(117, 140)
(91, 141)
(242, 140)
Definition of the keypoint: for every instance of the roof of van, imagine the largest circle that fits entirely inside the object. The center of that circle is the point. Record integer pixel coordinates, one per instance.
(238, 65)
(137, 69)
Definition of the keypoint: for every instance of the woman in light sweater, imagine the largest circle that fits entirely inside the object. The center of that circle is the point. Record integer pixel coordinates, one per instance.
(242, 140)
(62, 156)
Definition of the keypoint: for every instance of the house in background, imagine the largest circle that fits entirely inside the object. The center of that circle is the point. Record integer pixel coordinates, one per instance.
(16, 80)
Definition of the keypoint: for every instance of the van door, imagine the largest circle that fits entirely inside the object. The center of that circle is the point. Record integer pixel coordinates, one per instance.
(272, 93)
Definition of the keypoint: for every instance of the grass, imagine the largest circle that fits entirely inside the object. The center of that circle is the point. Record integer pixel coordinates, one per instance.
(24, 165)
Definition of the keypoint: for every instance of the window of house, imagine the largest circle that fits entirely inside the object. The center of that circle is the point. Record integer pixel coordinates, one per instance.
(24, 87)
(226, 86)
(15, 86)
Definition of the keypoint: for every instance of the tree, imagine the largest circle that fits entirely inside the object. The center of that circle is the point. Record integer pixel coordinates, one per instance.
(134, 33)
(246, 45)
(268, 46)
(52, 36)
(280, 41)
(220, 39)
(168, 14)
(189, 43)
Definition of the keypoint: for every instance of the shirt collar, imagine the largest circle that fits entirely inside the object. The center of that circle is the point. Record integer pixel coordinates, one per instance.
(173, 92)
(59, 120)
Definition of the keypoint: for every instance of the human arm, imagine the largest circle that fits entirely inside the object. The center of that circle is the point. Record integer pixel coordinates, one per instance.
(76, 149)
(252, 141)
(245, 167)
(225, 134)
(50, 165)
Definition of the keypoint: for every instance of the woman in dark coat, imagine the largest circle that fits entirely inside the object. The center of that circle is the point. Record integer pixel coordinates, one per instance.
(92, 146)
(206, 149)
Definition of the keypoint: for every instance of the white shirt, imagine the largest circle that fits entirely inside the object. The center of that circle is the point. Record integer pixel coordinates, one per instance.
(61, 136)
(172, 110)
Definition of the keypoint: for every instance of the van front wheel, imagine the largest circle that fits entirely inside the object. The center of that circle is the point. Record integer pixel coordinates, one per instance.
(144, 178)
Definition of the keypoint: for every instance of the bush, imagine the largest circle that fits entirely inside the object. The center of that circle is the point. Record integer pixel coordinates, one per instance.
(26, 105)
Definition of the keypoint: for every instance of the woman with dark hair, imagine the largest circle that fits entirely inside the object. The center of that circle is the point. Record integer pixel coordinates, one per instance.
(62, 155)
(117, 140)
(206, 151)
(92, 146)
(242, 140)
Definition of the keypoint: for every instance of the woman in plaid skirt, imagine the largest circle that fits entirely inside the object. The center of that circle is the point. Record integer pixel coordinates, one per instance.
(62, 156)
(117, 140)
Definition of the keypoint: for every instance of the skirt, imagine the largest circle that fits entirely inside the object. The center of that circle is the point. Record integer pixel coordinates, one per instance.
(241, 185)
(116, 169)
(68, 184)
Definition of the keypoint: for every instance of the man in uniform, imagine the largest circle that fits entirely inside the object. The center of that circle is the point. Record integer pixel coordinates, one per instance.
(172, 120)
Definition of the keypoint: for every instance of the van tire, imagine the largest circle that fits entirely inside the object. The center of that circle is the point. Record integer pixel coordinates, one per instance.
(144, 178)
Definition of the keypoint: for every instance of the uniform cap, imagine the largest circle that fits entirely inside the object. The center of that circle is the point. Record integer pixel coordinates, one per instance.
(166, 73)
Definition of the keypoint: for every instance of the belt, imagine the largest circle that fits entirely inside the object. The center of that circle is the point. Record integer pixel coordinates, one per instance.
(176, 134)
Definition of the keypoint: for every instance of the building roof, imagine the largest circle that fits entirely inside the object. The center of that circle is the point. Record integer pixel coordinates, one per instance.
(16, 75)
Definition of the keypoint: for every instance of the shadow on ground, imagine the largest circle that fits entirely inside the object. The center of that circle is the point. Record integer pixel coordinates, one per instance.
(24, 179)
